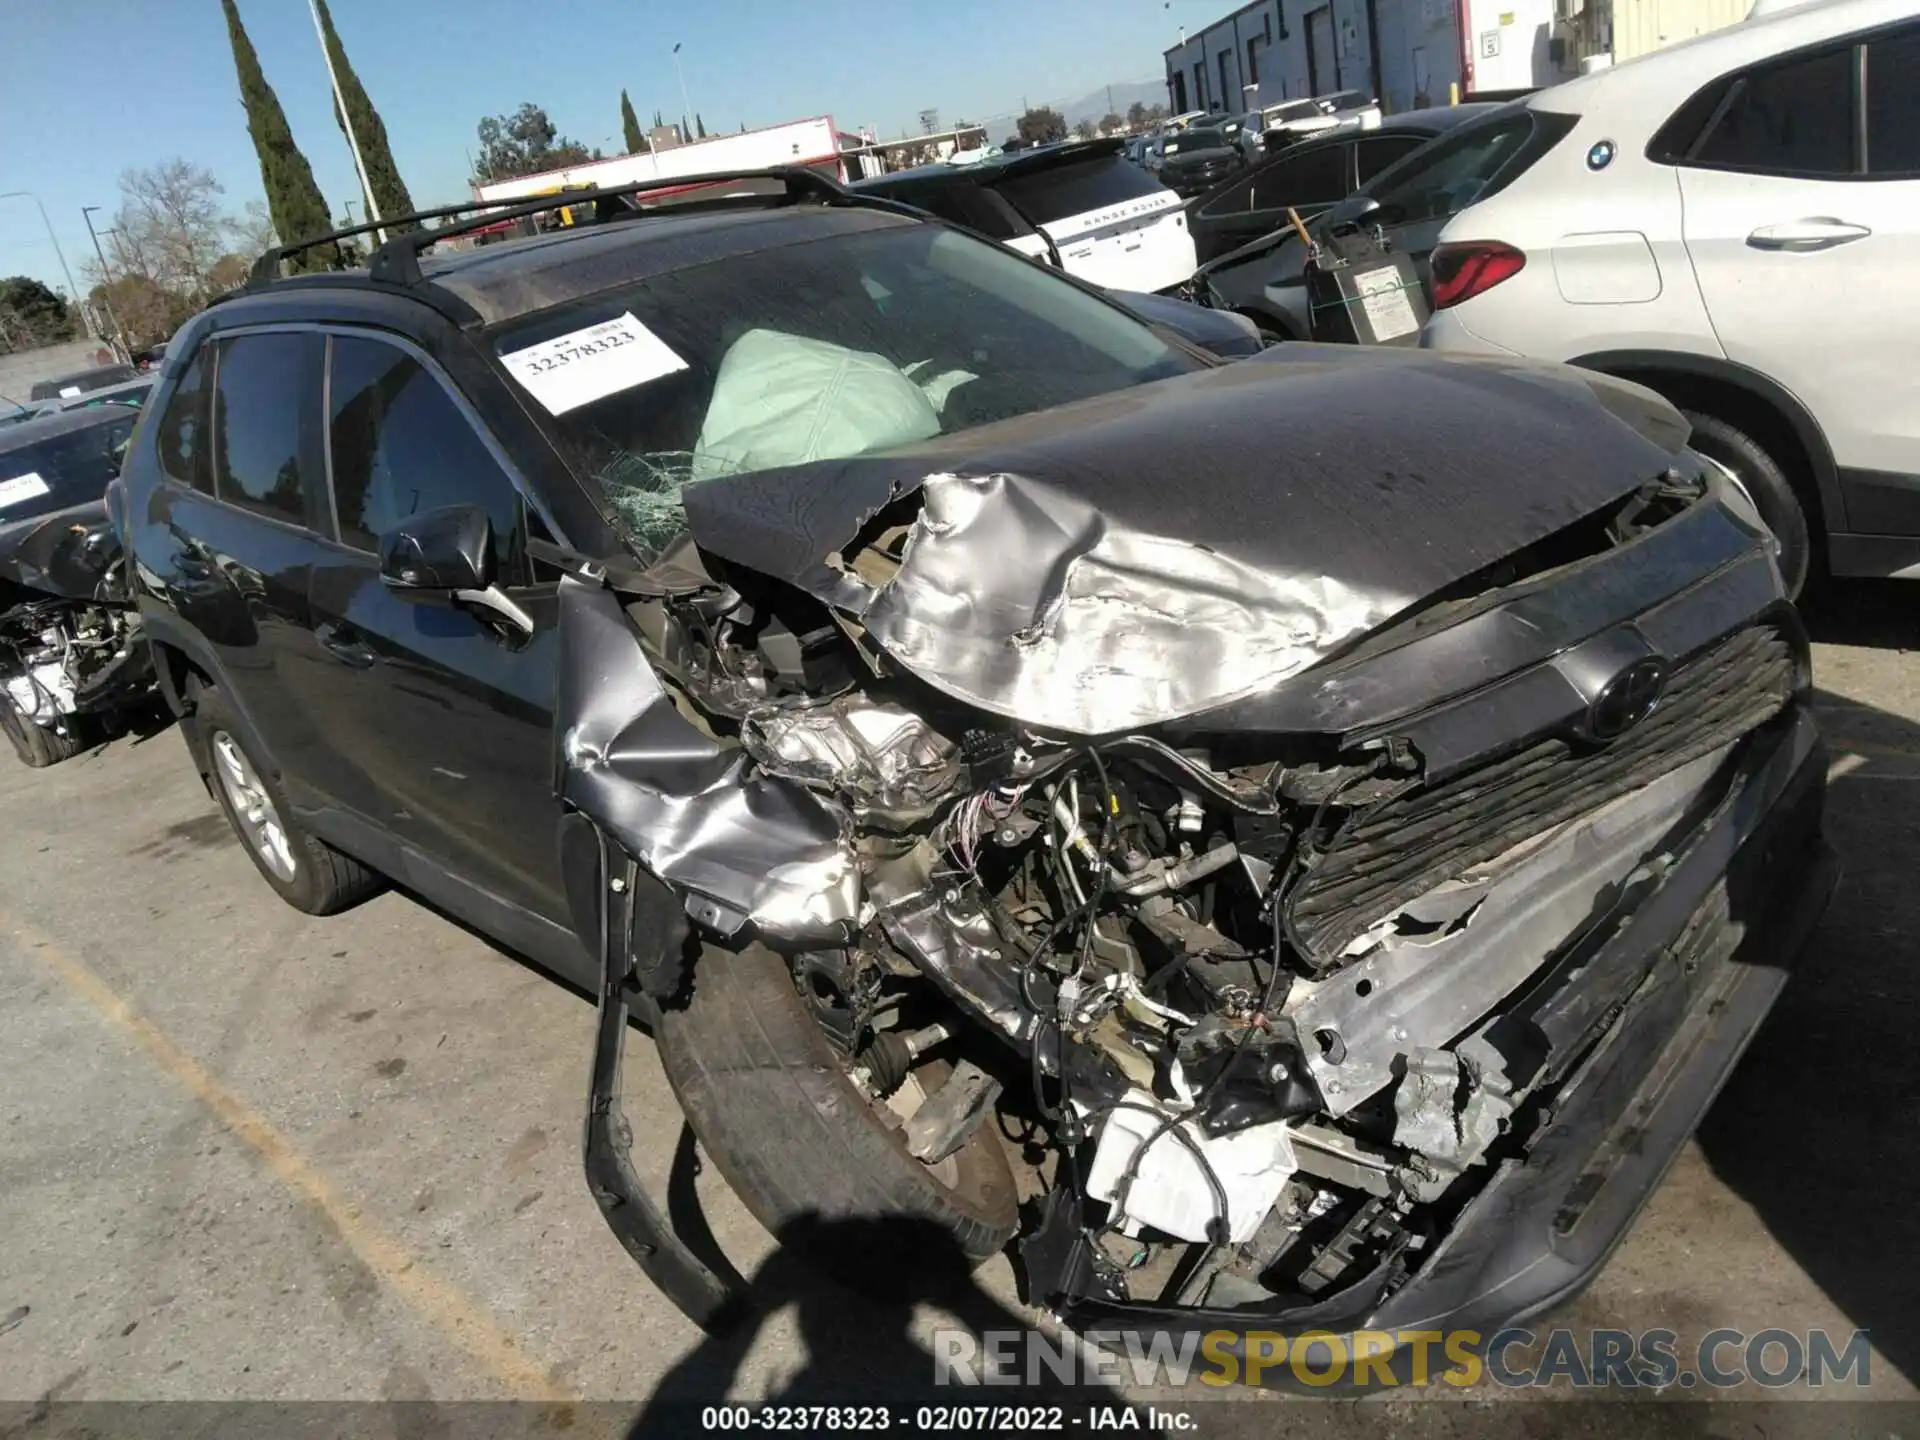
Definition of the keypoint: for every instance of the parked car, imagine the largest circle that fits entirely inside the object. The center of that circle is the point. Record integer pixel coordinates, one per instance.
(1310, 177)
(891, 666)
(1733, 223)
(71, 655)
(18, 412)
(65, 387)
(131, 394)
(1410, 201)
(1195, 160)
(1294, 120)
(1218, 332)
(1234, 128)
(1079, 204)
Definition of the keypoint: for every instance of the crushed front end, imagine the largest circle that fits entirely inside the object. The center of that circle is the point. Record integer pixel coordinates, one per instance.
(1363, 957)
(70, 644)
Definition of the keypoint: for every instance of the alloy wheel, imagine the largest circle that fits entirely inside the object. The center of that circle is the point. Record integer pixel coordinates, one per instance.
(260, 822)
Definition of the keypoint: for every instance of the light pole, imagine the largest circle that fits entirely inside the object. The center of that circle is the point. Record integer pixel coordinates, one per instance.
(106, 279)
(686, 108)
(346, 119)
(86, 318)
(347, 210)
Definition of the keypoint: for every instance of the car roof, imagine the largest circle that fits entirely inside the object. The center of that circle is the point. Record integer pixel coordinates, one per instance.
(106, 393)
(52, 385)
(1669, 74)
(1436, 120)
(1001, 167)
(512, 278)
(61, 422)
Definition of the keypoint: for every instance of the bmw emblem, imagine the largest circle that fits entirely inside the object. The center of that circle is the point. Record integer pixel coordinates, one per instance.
(1600, 155)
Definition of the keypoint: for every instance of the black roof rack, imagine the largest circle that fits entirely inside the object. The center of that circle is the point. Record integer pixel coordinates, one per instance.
(398, 260)
(267, 267)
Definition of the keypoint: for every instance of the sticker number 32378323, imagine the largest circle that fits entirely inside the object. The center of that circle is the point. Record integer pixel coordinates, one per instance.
(582, 366)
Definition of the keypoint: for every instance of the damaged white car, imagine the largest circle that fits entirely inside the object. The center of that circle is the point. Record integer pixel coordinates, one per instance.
(1320, 828)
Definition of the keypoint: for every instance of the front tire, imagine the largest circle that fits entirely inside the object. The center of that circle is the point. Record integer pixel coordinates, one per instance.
(304, 871)
(1748, 464)
(802, 1147)
(36, 745)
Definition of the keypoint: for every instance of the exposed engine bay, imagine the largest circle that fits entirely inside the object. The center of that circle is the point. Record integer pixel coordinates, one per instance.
(1256, 989)
(70, 646)
(53, 651)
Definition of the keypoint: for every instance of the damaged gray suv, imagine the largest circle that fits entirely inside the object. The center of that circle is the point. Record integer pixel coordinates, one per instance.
(1347, 811)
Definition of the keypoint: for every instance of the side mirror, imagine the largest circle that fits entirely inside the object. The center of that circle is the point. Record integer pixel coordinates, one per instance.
(439, 550)
(448, 554)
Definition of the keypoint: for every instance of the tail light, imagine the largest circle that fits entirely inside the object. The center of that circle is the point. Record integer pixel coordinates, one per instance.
(1460, 272)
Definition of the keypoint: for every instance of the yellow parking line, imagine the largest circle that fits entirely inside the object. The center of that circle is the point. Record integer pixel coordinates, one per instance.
(435, 1299)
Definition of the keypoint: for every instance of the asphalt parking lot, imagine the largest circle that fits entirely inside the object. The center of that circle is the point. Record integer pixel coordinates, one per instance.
(248, 1154)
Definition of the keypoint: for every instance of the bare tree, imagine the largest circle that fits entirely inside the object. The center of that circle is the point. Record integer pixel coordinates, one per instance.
(173, 225)
(253, 232)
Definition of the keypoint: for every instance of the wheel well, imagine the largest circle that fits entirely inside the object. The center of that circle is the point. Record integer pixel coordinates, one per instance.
(1741, 407)
(175, 667)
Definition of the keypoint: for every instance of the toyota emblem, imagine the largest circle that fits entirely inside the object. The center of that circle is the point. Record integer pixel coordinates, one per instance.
(1628, 699)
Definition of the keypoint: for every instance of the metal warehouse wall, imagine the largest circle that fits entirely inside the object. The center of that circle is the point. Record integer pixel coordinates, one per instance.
(1643, 25)
(1418, 40)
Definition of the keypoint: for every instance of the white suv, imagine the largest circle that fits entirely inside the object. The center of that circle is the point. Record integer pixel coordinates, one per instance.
(1735, 222)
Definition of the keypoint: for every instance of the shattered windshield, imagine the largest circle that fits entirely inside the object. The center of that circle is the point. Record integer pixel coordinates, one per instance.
(849, 345)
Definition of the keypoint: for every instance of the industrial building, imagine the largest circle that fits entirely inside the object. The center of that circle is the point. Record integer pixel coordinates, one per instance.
(1406, 52)
(1412, 53)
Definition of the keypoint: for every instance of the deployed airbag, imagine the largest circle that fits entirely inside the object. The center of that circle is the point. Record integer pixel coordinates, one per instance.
(784, 400)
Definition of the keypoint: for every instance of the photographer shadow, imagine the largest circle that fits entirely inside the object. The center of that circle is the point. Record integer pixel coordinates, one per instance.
(860, 1298)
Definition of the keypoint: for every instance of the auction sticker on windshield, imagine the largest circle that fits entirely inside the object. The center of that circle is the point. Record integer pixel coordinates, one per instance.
(22, 487)
(582, 366)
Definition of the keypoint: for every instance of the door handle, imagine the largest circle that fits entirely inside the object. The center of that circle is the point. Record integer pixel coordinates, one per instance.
(1801, 237)
(343, 642)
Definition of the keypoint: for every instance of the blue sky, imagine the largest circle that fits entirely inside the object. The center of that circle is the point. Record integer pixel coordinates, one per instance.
(90, 90)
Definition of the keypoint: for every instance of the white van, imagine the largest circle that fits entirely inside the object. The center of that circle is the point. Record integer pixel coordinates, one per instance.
(1082, 206)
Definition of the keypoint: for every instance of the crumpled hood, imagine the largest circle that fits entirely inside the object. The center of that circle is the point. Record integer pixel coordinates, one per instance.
(1142, 556)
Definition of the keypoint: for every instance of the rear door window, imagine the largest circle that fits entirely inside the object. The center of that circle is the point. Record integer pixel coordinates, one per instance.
(185, 437)
(1377, 152)
(1893, 104)
(1792, 118)
(265, 408)
(964, 203)
(1059, 192)
(1319, 176)
(401, 446)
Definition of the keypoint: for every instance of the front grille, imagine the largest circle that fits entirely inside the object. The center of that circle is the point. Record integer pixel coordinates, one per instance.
(1390, 853)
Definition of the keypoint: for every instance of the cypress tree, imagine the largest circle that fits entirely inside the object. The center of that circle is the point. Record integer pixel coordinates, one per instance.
(383, 176)
(630, 126)
(294, 201)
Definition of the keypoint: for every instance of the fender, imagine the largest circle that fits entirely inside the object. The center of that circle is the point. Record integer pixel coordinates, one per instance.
(165, 629)
(1826, 477)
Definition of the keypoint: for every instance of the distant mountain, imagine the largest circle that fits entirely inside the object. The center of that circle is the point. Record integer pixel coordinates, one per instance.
(1094, 107)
